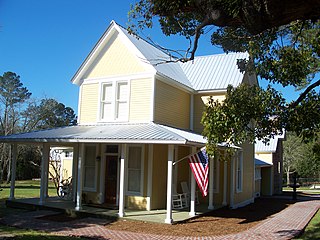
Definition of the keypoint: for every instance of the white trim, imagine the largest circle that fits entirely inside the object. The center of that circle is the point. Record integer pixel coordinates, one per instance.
(169, 219)
(232, 180)
(13, 170)
(213, 91)
(216, 180)
(80, 177)
(150, 176)
(79, 103)
(244, 203)
(225, 179)
(122, 179)
(211, 182)
(174, 83)
(152, 100)
(193, 191)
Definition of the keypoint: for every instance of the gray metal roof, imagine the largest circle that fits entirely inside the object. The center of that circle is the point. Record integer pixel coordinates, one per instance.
(261, 163)
(270, 147)
(111, 133)
(215, 71)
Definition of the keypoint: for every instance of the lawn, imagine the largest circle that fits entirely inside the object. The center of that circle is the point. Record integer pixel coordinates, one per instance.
(312, 231)
(26, 189)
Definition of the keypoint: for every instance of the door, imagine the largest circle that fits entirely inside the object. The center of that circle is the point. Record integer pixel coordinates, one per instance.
(111, 179)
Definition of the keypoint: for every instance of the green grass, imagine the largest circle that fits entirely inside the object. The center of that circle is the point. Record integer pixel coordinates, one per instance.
(312, 231)
(26, 189)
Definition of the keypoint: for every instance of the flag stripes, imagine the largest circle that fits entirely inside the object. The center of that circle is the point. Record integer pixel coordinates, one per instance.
(199, 164)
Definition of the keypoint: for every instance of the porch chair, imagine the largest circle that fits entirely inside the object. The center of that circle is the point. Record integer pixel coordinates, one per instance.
(179, 200)
(185, 190)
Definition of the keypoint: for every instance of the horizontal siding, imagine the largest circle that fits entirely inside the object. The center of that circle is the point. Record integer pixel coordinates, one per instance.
(115, 59)
(89, 103)
(172, 106)
(140, 100)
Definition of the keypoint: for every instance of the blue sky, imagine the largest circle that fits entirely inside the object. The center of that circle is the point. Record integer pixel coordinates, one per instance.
(46, 41)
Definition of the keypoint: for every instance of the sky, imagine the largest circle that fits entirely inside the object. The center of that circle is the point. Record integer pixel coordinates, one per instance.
(45, 41)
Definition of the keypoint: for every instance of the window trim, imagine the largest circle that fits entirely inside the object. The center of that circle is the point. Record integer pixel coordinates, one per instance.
(132, 193)
(114, 101)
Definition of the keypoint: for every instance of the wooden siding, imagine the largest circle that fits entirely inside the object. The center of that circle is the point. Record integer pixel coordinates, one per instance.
(172, 106)
(89, 103)
(140, 100)
(115, 59)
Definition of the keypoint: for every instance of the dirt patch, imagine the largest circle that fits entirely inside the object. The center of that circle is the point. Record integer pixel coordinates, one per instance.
(218, 222)
(59, 217)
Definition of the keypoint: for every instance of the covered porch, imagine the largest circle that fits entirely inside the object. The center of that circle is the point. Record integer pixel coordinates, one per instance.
(122, 135)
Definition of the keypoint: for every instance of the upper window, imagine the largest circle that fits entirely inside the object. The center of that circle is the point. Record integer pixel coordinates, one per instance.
(114, 101)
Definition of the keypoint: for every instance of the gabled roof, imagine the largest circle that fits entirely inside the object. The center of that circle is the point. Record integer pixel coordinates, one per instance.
(111, 133)
(204, 73)
(271, 146)
(261, 163)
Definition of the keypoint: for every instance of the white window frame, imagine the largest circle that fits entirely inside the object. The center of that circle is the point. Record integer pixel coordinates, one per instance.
(239, 171)
(94, 188)
(132, 193)
(114, 100)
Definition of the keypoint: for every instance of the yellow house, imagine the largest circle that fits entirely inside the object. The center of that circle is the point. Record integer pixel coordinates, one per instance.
(60, 163)
(138, 120)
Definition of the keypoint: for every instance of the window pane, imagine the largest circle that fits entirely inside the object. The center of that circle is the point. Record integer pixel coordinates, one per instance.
(122, 110)
(88, 177)
(134, 157)
(107, 92)
(134, 180)
(106, 111)
(122, 91)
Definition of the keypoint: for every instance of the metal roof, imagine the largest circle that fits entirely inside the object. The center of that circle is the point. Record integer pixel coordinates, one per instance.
(215, 71)
(111, 133)
(261, 163)
(270, 147)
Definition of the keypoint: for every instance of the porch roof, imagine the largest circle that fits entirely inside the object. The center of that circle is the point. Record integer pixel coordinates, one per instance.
(111, 133)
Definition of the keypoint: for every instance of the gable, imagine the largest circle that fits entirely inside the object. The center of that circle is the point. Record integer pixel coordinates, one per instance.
(114, 59)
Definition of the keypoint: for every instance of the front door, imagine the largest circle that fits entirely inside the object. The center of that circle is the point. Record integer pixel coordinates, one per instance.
(111, 179)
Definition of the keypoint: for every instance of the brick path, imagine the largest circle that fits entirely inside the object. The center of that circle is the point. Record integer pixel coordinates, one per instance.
(284, 225)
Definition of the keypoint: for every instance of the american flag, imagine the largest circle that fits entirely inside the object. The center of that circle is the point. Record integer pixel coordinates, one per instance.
(199, 164)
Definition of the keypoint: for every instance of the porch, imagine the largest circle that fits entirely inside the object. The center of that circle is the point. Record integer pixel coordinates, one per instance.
(60, 205)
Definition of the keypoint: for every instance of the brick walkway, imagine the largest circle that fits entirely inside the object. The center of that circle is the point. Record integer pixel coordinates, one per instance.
(284, 225)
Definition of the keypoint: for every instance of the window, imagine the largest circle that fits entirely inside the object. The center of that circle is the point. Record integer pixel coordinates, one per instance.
(239, 173)
(114, 101)
(90, 168)
(135, 170)
(257, 174)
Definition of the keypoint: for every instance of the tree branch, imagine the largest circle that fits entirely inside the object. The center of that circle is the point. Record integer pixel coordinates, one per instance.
(304, 94)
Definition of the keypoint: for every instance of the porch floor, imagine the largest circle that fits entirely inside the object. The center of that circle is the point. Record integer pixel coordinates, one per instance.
(57, 204)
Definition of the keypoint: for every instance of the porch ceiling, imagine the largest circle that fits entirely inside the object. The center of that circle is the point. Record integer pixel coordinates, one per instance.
(111, 133)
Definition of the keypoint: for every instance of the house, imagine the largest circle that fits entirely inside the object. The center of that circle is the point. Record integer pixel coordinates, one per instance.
(60, 163)
(269, 166)
(136, 120)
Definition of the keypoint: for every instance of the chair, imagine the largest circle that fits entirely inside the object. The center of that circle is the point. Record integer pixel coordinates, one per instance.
(179, 200)
(185, 190)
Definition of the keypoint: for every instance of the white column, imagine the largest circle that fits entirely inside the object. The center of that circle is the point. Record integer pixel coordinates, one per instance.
(193, 191)
(75, 158)
(232, 181)
(44, 172)
(169, 185)
(150, 175)
(13, 170)
(211, 173)
(79, 177)
(122, 179)
(225, 179)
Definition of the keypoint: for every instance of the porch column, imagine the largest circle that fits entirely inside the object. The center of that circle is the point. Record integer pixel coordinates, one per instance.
(225, 179)
(122, 179)
(13, 170)
(75, 158)
(150, 175)
(169, 185)
(79, 177)
(193, 191)
(211, 167)
(44, 173)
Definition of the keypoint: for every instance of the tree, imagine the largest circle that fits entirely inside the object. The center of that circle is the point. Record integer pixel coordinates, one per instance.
(284, 48)
(12, 96)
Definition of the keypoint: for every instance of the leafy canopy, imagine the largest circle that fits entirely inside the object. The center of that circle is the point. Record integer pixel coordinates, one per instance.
(284, 49)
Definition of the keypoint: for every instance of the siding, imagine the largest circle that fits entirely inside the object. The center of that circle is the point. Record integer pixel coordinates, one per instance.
(89, 103)
(115, 59)
(140, 100)
(171, 106)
